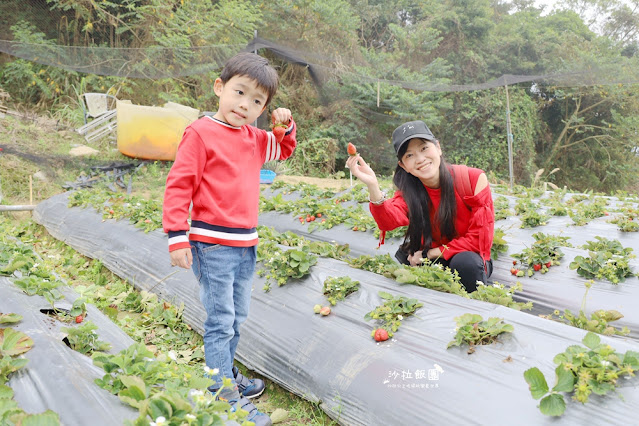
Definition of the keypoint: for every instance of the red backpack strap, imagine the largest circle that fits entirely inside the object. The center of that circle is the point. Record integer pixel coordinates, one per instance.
(462, 180)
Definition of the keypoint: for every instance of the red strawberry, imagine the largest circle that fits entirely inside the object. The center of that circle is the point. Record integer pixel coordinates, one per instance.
(380, 335)
(279, 131)
(548, 265)
(537, 266)
(325, 310)
(514, 271)
(351, 149)
(79, 319)
(514, 262)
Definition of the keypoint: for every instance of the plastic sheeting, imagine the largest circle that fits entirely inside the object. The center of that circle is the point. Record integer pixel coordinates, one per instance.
(561, 288)
(57, 377)
(412, 379)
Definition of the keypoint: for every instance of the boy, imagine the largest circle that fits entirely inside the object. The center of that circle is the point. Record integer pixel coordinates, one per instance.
(217, 168)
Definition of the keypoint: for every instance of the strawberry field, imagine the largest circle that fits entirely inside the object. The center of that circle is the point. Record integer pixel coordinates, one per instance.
(554, 334)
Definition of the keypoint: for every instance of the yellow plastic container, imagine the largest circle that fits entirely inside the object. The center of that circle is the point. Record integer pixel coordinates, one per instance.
(152, 133)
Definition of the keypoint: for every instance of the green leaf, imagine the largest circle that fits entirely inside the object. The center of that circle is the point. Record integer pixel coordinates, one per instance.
(553, 405)
(565, 380)
(13, 342)
(591, 340)
(160, 408)
(536, 382)
(48, 418)
(10, 318)
(6, 392)
(135, 384)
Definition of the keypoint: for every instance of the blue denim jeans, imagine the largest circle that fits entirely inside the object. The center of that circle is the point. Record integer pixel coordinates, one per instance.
(226, 276)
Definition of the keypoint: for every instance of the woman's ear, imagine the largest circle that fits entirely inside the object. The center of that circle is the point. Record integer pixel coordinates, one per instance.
(402, 165)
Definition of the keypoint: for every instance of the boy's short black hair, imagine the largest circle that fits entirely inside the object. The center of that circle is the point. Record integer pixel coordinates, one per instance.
(255, 67)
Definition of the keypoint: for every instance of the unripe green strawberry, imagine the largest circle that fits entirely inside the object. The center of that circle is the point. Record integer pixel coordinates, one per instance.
(317, 308)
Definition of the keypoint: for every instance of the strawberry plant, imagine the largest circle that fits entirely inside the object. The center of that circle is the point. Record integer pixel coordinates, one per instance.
(581, 371)
(14, 257)
(144, 214)
(607, 259)
(32, 285)
(502, 208)
(162, 391)
(431, 275)
(499, 244)
(381, 264)
(392, 312)
(270, 236)
(599, 321)
(338, 288)
(583, 212)
(473, 330)
(541, 255)
(524, 206)
(84, 339)
(532, 219)
(628, 221)
(500, 295)
(283, 265)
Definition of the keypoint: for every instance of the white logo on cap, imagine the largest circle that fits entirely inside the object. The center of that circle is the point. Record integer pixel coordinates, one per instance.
(407, 127)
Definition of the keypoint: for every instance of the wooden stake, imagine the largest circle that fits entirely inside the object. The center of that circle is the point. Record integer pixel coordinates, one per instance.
(30, 190)
(378, 94)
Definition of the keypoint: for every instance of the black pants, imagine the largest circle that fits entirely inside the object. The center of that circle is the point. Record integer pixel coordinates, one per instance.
(469, 265)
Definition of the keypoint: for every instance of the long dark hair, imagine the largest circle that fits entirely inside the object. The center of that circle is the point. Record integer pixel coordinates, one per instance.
(418, 236)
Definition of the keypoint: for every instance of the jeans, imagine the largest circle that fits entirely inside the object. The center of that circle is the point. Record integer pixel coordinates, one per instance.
(226, 275)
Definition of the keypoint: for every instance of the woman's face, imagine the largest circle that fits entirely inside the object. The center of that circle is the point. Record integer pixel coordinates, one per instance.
(422, 159)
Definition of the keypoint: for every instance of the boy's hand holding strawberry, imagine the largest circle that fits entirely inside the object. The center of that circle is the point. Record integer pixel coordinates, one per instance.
(281, 118)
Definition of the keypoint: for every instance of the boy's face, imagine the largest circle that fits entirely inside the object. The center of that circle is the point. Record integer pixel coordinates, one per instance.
(241, 100)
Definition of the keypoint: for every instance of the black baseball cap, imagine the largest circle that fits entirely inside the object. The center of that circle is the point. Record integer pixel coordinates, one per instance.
(411, 130)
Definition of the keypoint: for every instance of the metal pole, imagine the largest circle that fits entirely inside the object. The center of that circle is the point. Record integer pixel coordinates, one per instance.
(510, 139)
(16, 208)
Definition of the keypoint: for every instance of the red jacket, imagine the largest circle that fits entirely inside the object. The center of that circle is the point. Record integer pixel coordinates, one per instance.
(474, 223)
(217, 171)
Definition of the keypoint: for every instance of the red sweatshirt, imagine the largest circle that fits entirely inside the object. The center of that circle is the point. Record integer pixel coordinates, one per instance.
(217, 168)
(474, 223)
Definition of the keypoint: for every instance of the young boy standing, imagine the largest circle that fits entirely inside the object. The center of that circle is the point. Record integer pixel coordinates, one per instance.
(217, 169)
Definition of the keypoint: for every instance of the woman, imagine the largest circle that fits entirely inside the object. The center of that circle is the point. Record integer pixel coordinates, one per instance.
(443, 226)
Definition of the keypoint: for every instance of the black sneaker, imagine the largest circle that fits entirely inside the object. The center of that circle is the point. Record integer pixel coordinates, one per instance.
(254, 415)
(249, 388)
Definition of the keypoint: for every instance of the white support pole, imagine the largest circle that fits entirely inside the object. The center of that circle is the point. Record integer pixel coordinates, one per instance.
(510, 139)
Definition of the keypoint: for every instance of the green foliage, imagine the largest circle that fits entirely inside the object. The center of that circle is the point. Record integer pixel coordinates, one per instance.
(382, 264)
(313, 157)
(338, 288)
(581, 371)
(481, 118)
(285, 264)
(607, 259)
(392, 312)
(598, 322)
(431, 275)
(473, 330)
(500, 295)
(499, 244)
(33, 285)
(84, 339)
(544, 252)
(14, 342)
